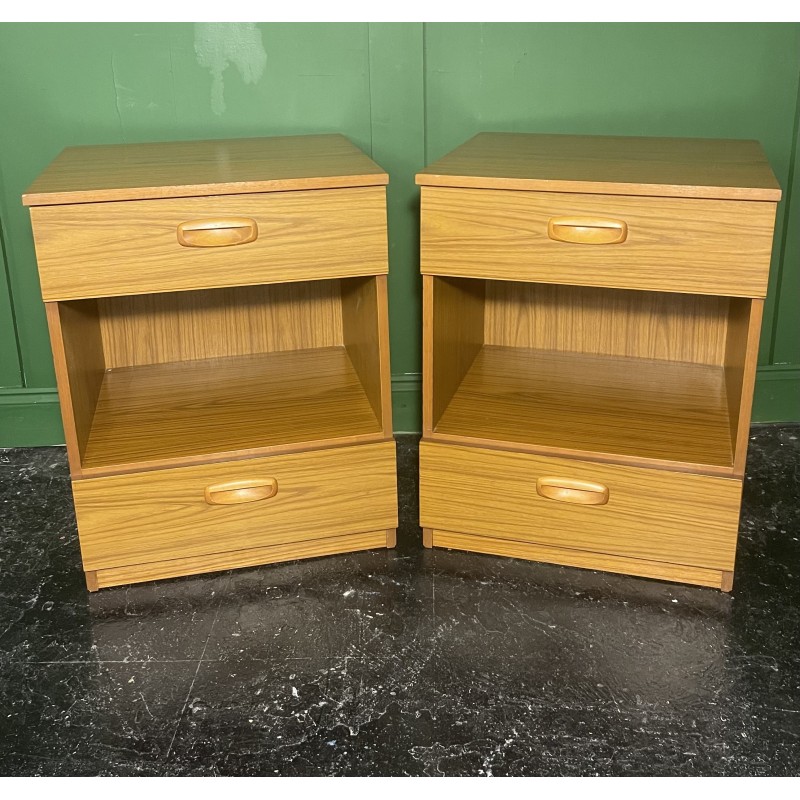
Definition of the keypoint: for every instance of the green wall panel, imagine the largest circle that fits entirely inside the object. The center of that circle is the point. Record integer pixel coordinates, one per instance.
(398, 131)
(406, 93)
(786, 328)
(10, 370)
(30, 418)
(777, 395)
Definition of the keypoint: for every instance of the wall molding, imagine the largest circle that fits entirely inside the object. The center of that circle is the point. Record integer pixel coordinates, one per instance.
(407, 402)
(31, 417)
(777, 395)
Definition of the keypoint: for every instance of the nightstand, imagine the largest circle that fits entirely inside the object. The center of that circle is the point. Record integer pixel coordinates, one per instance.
(218, 319)
(592, 309)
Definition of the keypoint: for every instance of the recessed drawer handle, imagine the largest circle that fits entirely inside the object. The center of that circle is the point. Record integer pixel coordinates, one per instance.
(566, 490)
(585, 230)
(217, 232)
(248, 491)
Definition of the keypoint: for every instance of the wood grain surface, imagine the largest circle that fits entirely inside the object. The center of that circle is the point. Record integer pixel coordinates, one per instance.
(220, 331)
(612, 322)
(365, 327)
(679, 245)
(184, 411)
(453, 322)
(569, 557)
(188, 169)
(160, 515)
(79, 366)
(235, 559)
(618, 348)
(118, 248)
(384, 351)
(216, 323)
(660, 167)
(741, 360)
(624, 409)
(651, 514)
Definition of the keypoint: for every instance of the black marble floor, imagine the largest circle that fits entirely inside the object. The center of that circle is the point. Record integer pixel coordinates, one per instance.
(405, 662)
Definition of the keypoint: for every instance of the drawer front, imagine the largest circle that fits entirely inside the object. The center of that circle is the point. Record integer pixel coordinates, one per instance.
(638, 513)
(670, 244)
(133, 247)
(165, 514)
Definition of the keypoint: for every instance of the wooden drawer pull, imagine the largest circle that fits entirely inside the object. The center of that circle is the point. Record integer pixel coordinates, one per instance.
(585, 230)
(247, 491)
(566, 490)
(217, 232)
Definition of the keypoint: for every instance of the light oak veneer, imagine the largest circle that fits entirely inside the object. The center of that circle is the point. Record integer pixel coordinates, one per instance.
(235, 559)
(591, 315)
(218, 315)
(104, 249)
(621, 409)
(569, 557)
(99, 173)
(651, 514)
(676, 245)
(227, 408)
(185, 377)
(724, 169)
(159, 515)
(216, 323)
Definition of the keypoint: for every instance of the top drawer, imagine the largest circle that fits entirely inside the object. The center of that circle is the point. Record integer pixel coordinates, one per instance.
(133, 247)
(666, 244)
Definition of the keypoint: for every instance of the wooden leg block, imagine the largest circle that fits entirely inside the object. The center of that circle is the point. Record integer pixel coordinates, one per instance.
(427, 537)
(726, 583)
(677, 573)
(137, 573)
(91, 580)
(391, 538)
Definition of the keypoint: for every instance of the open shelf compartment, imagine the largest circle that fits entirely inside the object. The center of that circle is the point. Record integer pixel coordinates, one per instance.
(185, 377)
(635, 377)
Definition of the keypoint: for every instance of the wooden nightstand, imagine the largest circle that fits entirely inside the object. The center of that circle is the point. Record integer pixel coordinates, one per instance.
(592, 309)
(218, 318)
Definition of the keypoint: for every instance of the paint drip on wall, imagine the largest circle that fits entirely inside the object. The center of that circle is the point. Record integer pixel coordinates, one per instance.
(220, 44)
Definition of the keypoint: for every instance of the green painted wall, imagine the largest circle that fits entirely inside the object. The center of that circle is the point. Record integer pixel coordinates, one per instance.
(404, 92)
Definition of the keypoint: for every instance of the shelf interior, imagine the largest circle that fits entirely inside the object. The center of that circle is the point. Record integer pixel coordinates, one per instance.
(177, 377)
(610, 405)
(648, 378)
(193, 408)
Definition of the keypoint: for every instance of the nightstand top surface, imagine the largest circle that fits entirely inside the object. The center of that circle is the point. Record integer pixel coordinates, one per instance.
(99, 173)
(726, 169)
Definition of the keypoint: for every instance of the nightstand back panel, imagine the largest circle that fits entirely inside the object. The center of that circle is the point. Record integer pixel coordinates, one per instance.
(215, 323)
(612, 322)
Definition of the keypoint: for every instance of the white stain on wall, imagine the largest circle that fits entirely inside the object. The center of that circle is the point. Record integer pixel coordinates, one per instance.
(220, 44)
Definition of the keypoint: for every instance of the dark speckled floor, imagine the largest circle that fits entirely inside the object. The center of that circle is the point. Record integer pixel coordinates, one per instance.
(407, 662)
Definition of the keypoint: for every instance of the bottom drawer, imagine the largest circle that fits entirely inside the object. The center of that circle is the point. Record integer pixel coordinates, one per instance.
(650, 514)
(235, 505)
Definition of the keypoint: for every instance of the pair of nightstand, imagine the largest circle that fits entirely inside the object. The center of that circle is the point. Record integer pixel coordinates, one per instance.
(592, 309)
